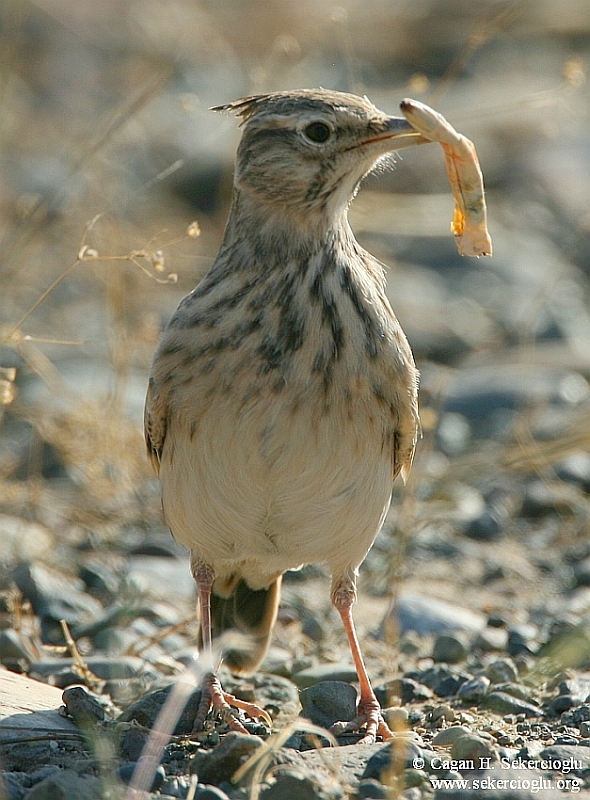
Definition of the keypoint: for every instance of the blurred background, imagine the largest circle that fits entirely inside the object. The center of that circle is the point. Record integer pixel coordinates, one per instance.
(109, 154)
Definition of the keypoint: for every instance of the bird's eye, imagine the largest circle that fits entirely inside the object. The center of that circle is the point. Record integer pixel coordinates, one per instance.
(317, 132)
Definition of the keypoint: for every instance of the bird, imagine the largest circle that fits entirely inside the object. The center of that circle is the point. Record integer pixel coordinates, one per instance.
(283, 396)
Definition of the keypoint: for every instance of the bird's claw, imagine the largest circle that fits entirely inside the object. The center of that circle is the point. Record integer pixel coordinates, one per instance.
(369, 717)
(214, 697)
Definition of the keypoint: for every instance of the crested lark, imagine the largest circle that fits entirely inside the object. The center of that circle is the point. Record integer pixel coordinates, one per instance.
(282, 402)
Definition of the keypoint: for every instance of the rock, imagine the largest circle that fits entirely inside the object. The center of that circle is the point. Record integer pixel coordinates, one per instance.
(328, 702)
(370, 789)
(403, 690)
(401, 749)
(27, 705)
(442, 679)
(491, 638)
(522, 640)
(541, 499)
(13, 785)
(502, 703)
(132, 743)
(67, 785)
(82, 707)
(290, 784)
(104, 667)
(575, 469)
(453, 433)
(488, 526)
(503, 670)
(427, 615)
(220, 764)
(23, 541)
(54, 596)
(473, 690)
(145, 711)
(577, 757)
(472, 747)
(450, 648)
(126, 771)
(16, 646)
(449, 736)
(325, 672)
(205, 792)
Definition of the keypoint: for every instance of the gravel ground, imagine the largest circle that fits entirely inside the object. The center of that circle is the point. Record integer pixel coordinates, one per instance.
(474, 602)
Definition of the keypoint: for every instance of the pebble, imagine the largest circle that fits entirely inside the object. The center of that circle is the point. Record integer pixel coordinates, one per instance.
(503, 703)
(502, 670)
(14, 785)
(474, 689)
(473, 747)
(294, 785)
(370, 789)
(145, 711)
(450, 648)
(442, 679)
(54, 596)
(449, 736)
(380, 763)
(220, 764)
(67, 785)
(325, 672)
(427, 615)
(328, 702)
(491, 639)
(208, 792)
(403, 690)
(125, 773)
(573, 754)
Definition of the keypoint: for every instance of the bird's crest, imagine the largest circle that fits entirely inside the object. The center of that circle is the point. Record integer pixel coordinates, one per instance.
(244, 107)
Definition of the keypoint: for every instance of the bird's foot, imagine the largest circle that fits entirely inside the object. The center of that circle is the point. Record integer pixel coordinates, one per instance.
(225, 704)
(370, 718)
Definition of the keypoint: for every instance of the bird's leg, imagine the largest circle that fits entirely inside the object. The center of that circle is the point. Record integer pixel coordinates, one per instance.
(212, 694)
(369, 711)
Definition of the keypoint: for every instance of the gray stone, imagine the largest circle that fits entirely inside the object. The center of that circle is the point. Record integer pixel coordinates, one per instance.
(503, 670)
(370, 789)
(472, 747)
(221, 763)
(427, 615)
(473, 690)
(205, 792)
(290, 784)
(502, 703)
(13, 785)
(577, 756)
(145, 711)
(328, 702)
(325, 672)
(403, 690)
(491, 639)
(401, 749)
(442, 679)
(449, 736)
(67, 785)
(449, 648)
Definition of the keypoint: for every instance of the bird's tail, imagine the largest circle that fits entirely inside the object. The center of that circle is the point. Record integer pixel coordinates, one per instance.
(251, 613)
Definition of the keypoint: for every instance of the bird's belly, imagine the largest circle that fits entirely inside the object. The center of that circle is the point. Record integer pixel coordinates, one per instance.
(273, 488)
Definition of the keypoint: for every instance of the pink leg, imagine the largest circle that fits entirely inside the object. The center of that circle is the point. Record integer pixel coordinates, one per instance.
(212, 695)
(369, 710)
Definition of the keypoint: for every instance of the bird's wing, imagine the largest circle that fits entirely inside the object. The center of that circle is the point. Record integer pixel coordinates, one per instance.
(155, 421)
(404, 441)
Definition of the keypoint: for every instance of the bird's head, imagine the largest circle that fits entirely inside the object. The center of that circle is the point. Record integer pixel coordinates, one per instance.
(308, 150)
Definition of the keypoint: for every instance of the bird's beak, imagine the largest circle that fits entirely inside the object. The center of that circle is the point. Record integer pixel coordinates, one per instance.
(398, 134)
